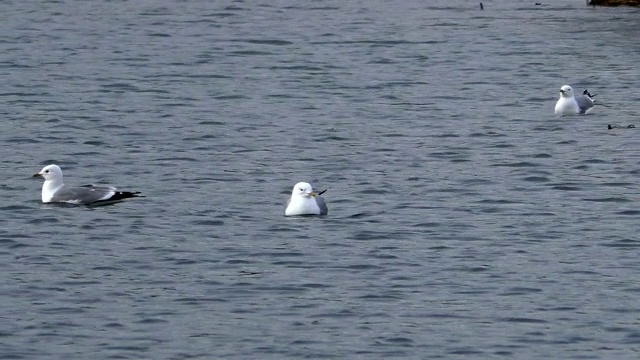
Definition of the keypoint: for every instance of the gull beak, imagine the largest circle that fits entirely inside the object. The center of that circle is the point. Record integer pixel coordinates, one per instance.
(562, 91)
(37, 175)
(312, 194)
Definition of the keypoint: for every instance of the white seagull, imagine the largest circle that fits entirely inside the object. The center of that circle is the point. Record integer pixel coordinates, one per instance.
(55, 191)
(304, 201)
(568, 104)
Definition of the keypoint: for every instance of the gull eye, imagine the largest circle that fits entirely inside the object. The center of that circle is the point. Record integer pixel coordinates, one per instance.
(46, 171)
(301, 189)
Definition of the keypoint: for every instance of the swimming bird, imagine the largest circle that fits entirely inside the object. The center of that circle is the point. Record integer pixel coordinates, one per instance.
(568, 104)
(304, 201)
(55, 191)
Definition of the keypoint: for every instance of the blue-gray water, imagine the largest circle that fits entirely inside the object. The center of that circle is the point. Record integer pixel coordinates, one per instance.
(466, 220)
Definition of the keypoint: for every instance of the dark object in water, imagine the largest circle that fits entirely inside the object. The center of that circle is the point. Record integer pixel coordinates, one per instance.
(616, 126)
(613, 3)
(481, 6)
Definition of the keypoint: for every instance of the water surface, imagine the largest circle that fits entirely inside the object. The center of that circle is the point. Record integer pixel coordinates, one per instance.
(465, 219)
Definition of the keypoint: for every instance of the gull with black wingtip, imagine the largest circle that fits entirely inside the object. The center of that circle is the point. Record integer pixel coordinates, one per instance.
(569, 104)
(55, 191)
(304, 201)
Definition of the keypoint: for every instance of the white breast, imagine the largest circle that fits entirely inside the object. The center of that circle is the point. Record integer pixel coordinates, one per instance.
(302, 206)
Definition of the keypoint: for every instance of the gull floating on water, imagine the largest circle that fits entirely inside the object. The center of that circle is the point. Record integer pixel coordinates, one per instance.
(55, 191)
(304, 201)
(568, 104)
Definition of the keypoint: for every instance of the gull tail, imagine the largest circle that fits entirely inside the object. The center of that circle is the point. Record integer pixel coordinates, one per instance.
(120, 195)
(117, 197)
(587, 93)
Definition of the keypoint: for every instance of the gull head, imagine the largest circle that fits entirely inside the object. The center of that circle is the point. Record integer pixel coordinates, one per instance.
(566, 91)
(303, 189)
(50, 172)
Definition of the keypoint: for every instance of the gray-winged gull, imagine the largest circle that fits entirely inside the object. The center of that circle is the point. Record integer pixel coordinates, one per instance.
(304, 201)
(55, 191)
(568, 104)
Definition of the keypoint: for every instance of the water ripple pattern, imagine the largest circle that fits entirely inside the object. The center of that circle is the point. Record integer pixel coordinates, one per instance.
(467, 220)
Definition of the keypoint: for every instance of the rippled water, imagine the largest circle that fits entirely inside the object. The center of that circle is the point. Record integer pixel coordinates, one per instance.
(465, 219)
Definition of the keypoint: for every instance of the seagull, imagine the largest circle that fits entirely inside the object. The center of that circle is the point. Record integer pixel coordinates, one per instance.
(304, 201)
(55, 191)
(568, 104)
